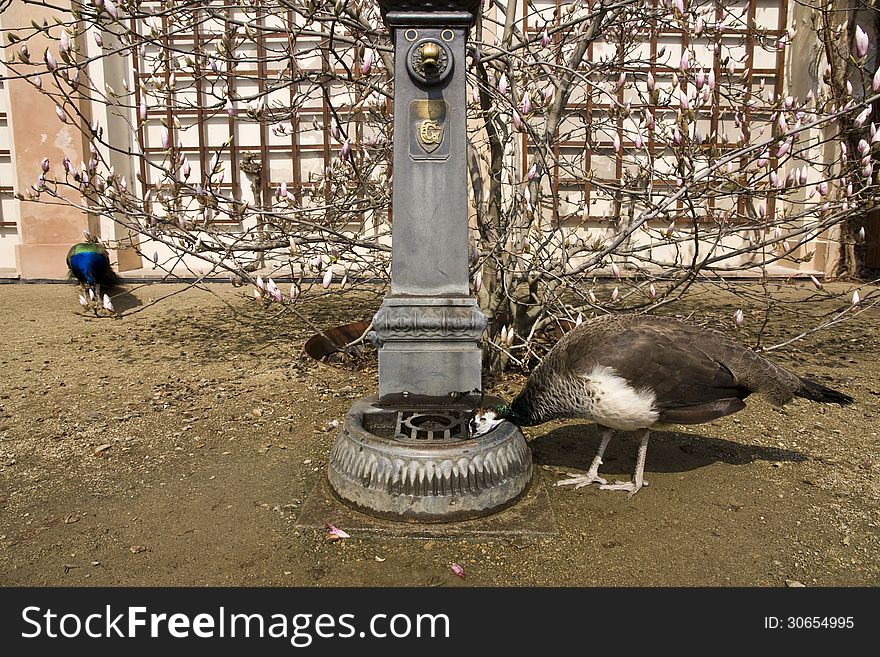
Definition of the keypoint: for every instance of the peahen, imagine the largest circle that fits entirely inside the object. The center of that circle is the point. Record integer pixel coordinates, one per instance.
(89, 263)
(630, 372)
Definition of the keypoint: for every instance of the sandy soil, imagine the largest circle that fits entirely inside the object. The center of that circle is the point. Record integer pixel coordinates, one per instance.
(212, 432)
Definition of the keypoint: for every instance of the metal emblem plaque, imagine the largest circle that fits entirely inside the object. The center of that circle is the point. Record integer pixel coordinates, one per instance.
(428, 139)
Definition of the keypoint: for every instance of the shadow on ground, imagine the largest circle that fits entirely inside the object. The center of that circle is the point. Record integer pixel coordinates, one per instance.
(574, 446)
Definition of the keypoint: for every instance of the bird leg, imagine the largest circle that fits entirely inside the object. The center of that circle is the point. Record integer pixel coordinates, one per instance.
(638, 479)
(592, 476)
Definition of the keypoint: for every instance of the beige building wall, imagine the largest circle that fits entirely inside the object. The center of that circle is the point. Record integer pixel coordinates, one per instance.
(36, 236)
(45, 231)
(9, 216)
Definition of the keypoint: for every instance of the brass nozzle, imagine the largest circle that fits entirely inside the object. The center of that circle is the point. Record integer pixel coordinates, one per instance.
(430, 53)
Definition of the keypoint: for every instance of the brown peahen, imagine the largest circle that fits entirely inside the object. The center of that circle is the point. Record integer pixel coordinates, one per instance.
(630, 372)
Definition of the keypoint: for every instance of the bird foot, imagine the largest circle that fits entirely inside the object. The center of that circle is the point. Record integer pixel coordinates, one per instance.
(579, 481)
(631, 487)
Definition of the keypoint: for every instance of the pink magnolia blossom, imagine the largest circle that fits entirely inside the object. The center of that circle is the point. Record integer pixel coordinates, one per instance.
(517, 121)
(638, 142)
(861, 40)
(545, 39)
(367, 64)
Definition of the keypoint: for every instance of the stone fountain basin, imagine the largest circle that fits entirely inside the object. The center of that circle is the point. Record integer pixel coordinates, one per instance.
(418, 463)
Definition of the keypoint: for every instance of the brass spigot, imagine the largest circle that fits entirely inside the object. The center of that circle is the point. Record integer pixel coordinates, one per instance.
(430, 54)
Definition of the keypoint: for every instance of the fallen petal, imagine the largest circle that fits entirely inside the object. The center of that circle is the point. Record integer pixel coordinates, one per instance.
(333, 530)
(457, 570)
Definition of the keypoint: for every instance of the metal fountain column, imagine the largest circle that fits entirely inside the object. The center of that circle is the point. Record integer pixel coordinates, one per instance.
(406, 454)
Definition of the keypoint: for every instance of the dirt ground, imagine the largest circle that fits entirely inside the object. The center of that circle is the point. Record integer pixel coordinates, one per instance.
(212, 432)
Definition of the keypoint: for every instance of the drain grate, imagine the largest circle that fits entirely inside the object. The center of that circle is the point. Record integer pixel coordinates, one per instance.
(418, 426)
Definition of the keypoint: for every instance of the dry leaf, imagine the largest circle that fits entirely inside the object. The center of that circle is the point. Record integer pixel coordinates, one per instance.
(100, 449)
(134, 549)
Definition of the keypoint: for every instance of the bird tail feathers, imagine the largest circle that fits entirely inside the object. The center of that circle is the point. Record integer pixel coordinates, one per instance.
(817, 392)
(110, 279)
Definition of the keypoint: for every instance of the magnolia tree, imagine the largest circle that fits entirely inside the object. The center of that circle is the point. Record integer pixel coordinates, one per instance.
(618, 150)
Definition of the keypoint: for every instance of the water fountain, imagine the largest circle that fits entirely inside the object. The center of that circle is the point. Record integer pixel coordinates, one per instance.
(405, 453)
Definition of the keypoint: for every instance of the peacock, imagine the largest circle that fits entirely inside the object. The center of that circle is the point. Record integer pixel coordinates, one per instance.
(89, 263)
(630, 372)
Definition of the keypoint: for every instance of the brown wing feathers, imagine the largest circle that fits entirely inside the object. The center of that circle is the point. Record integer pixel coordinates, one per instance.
(695, 374)
(664, 357)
